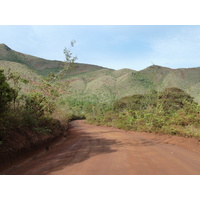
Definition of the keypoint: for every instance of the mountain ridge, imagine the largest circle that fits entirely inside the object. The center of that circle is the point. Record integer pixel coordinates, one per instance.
(40, 65)
(105, 82)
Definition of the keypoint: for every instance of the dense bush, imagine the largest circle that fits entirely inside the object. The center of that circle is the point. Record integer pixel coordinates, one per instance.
(32, 111)
(7, 94)
(134, 102)
(36, 110)
(174, 99)
(171, 111)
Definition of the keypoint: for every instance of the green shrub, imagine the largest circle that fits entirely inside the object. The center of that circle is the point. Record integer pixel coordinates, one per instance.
(134, 102)
(173, 99)
(7, 94)
(36, 110)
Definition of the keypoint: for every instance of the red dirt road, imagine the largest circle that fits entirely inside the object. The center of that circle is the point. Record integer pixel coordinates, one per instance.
(99, 150)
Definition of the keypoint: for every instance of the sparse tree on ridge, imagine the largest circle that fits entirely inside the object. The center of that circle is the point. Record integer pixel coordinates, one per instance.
(69, 62)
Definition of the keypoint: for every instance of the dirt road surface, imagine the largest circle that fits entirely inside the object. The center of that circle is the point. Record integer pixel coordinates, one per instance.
(99, 150)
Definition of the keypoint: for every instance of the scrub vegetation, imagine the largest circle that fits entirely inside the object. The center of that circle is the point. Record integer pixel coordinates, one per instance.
(171, 111)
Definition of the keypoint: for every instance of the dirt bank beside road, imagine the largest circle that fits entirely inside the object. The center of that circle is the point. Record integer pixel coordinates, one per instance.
(99, 150)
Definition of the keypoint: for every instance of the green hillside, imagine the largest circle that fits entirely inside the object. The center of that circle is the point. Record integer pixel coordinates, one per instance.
(39, 65)
(17, 69)
(86, 79)
(126, 82)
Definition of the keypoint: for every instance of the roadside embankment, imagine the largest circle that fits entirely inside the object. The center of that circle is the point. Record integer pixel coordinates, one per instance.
(22, 143)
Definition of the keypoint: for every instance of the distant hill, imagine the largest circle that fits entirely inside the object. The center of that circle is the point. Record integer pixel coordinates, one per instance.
(106, 83)
(40, 65)
(125, 82)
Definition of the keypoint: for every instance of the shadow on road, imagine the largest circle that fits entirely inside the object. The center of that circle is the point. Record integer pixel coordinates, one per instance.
(78, 147)
(81, 144)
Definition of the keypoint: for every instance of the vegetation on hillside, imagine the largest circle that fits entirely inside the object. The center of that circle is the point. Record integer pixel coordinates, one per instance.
(42, 66)
(84, 78)
(120, 83)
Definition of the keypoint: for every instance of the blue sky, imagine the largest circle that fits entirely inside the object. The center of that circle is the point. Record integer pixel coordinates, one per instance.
(121, 46)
